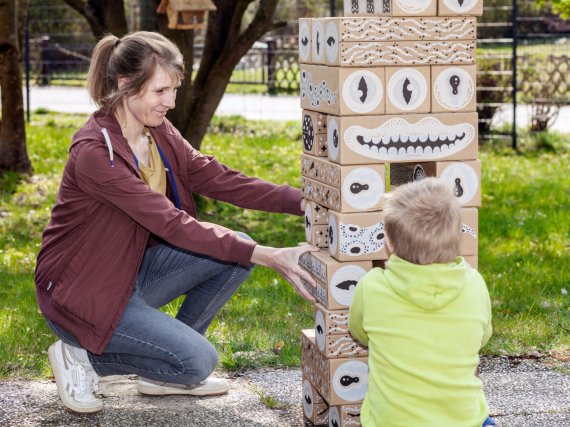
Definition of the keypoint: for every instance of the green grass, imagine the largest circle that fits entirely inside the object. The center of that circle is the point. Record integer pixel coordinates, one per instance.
(524, 245)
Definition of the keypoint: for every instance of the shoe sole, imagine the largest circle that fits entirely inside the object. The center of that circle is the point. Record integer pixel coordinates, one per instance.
(61, 391)
(166, 391)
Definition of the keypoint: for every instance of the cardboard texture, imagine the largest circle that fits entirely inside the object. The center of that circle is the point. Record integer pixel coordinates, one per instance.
(329, 322)
(335, 280)
(318, 292)
(338, 381)
(408, 90)
(316, 214)
(314, 133)
(463, 178)
(460, 7)
(315, 409)
(414, 7)
(320, 193)
(402, 29)
(362, 188)
(317, 42)
(342, 91)
(358, 236)
(317, 235)
(345, 415)
(305, 29)
(367, 7)
(453, 88)
(407, 53)
(469, 231)
(472, 260)
(403, 138)
(341, 346)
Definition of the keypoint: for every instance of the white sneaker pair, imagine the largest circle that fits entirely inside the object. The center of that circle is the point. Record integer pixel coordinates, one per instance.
(75, 378)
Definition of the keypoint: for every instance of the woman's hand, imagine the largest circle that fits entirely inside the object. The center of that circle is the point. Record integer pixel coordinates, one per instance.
(286, 262)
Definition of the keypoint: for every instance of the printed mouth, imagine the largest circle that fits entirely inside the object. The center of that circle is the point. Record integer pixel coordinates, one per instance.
(398, 139)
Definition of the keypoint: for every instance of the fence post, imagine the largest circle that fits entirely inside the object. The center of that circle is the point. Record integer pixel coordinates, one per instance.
(27, 65)
(45, 61)
(515, 41)
(271, 61)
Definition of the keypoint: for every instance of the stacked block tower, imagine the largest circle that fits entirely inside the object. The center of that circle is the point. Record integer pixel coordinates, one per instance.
(388, 97)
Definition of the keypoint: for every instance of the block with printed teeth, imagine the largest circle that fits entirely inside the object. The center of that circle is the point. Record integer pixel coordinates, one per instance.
(469, 231)
(314, 135)
(336, 280)
(460, 7)
(362, 188)
(357, 236)
(342, 91)
(463, 178)
(344, 416)
(338, 381)
(453, 88)
(315, 409)
(402, 138)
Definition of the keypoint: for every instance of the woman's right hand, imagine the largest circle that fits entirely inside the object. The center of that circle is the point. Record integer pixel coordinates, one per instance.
(286, 262)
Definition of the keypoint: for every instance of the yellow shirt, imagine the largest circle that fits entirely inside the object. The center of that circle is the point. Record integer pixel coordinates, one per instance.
(154, 174)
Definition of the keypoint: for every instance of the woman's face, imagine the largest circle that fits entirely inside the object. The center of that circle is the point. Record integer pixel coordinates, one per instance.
(149, 107)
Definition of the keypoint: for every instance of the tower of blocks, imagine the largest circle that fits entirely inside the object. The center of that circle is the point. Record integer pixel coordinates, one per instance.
(388, 97)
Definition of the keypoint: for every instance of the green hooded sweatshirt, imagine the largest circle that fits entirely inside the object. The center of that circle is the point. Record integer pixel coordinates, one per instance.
(424, 325)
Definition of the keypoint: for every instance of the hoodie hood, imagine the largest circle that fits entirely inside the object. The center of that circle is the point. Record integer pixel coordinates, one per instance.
(430, 287)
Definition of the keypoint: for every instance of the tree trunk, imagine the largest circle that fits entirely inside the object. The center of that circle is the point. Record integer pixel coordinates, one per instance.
(13, 151)
(103, 16)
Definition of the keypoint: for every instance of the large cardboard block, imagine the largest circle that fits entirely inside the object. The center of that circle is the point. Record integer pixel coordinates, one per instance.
(453, 88)
(329, 322)
(315, 409)
(317, 235)
(400, 29)
(358, 236)
(335, 280)
(362, 188)
(338, 346)
(342, 91)
(317, 42)
(407, 53)
(316, 214)
(338, 381)
(469, 231)
(408, 90)
(305, 34)
(314, 127)
(367, 7)
(472, 260)
(344, 415)
(320, 193)
(405, 138)
(463, 178)
(414, 7)
(318, 292)
(460, 7)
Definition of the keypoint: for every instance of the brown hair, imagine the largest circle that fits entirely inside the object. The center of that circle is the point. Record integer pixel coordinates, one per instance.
(134, 56)
(423, 222)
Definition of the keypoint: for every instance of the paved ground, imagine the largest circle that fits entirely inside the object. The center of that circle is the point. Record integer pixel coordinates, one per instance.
(259, 107)
(521, 393)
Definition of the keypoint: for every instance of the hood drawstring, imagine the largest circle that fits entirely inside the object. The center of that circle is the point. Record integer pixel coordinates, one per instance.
(109, 146)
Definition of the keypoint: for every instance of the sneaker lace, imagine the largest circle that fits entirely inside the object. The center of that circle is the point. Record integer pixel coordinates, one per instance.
(87, 382)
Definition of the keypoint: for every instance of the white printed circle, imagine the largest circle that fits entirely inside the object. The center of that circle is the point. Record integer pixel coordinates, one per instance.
(363, 188)
(308, 222)
(462, 180)
(304, 41)
(343, 283)
(413, 6)
(333, 139)
(320, 330)
(460, 7)
(317, 42)
(333, 238)
(331, 42)
(350, 380)
(454, 88)
(334, 417)
(308, 399)
(362, 91)
(407, 89)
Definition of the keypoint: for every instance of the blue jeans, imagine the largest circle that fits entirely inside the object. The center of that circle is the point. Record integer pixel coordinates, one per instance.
(155, 345)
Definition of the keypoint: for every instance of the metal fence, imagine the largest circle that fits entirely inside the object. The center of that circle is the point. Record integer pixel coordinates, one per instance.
(523, 57)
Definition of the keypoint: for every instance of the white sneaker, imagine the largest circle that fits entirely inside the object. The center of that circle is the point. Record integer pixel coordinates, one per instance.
(74, 377)
(209, 387)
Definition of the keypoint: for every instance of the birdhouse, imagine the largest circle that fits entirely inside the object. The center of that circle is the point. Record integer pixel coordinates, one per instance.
(186, 14)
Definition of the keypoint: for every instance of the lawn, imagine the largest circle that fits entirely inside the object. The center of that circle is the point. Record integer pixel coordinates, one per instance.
(524, 246)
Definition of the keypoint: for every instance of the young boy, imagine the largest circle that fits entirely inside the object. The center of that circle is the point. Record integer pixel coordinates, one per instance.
(425, 317)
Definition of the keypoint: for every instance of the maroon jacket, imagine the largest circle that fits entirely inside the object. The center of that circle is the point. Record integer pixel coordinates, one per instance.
(94, 243)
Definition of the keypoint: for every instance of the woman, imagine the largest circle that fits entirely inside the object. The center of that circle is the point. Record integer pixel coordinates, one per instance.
(123, 239)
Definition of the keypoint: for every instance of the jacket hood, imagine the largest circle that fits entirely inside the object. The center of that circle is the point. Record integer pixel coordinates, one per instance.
(430, 287)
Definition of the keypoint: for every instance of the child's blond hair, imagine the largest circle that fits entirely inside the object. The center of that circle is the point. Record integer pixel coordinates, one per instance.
(423, 222)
